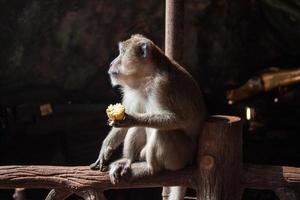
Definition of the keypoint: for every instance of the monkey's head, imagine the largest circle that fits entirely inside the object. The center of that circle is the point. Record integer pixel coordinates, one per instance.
(133, 64)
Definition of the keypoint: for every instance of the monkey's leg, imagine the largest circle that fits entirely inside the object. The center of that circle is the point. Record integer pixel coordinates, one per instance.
(137, 170)
(177, 193)
(114, 138)
(143, 154)
(178, 152)
(116, 168)
(165, 193)
(151, 165)
(134, 141)
(170, 150)
(173, 193)
(140, 170)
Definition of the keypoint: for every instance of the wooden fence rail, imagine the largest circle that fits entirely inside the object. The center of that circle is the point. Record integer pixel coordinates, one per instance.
(76, 179)
(81, 177)
(219, 173)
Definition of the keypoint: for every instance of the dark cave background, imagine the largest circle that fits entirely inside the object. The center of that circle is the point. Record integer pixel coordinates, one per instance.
(57, 53)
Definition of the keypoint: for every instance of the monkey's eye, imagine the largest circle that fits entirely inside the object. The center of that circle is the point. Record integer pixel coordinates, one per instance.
(143, 50)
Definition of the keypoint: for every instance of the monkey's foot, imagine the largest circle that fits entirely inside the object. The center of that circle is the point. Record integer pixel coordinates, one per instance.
(102, 162)
(120, 171)
(95, 165)
(98, 166)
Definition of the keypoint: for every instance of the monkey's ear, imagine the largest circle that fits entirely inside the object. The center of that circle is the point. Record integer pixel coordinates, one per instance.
(143, 50)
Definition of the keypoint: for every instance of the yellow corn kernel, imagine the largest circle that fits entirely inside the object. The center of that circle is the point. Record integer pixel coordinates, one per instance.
(115, 112)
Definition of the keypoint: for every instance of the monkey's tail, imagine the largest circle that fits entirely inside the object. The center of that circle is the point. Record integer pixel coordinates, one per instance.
(173, 193)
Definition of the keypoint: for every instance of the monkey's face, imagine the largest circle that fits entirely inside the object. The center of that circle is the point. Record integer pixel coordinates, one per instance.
(132, 64)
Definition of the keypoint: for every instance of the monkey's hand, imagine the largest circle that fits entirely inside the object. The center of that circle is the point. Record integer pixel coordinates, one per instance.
(127, 122)
(102, 162)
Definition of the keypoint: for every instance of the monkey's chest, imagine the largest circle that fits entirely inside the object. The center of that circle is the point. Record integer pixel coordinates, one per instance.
(135, 107)
(140, 105)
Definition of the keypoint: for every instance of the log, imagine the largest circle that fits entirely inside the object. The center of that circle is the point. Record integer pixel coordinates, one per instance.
(77, 178)
(82, 178)
(220, 159)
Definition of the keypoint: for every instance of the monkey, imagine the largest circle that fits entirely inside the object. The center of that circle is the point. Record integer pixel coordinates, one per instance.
(165, 112)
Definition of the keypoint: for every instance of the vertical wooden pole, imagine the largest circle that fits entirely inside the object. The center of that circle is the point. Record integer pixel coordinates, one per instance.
(220, 159)
(220, 144)
(174, 29)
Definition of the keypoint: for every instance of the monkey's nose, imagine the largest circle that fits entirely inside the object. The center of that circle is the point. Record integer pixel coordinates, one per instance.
(113, 72)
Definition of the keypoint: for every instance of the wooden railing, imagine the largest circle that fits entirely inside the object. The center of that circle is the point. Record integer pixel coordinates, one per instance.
(218, 174)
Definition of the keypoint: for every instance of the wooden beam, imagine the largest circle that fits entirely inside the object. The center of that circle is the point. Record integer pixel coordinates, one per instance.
(81, 178)
(77, 178)
(270, 177)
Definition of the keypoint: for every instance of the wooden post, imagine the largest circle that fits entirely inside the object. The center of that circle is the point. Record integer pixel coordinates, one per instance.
(220, 159)
(174, 25)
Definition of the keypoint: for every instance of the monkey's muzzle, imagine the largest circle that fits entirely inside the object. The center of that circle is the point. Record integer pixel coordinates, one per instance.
(113, 72)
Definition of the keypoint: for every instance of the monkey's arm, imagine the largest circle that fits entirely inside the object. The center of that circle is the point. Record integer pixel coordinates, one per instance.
(163, 121)
(114, 138)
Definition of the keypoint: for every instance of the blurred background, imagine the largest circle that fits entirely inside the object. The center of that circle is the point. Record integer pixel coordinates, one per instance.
(54, 86)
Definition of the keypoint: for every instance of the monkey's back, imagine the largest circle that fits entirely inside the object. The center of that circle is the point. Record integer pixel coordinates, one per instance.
(185, 97)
